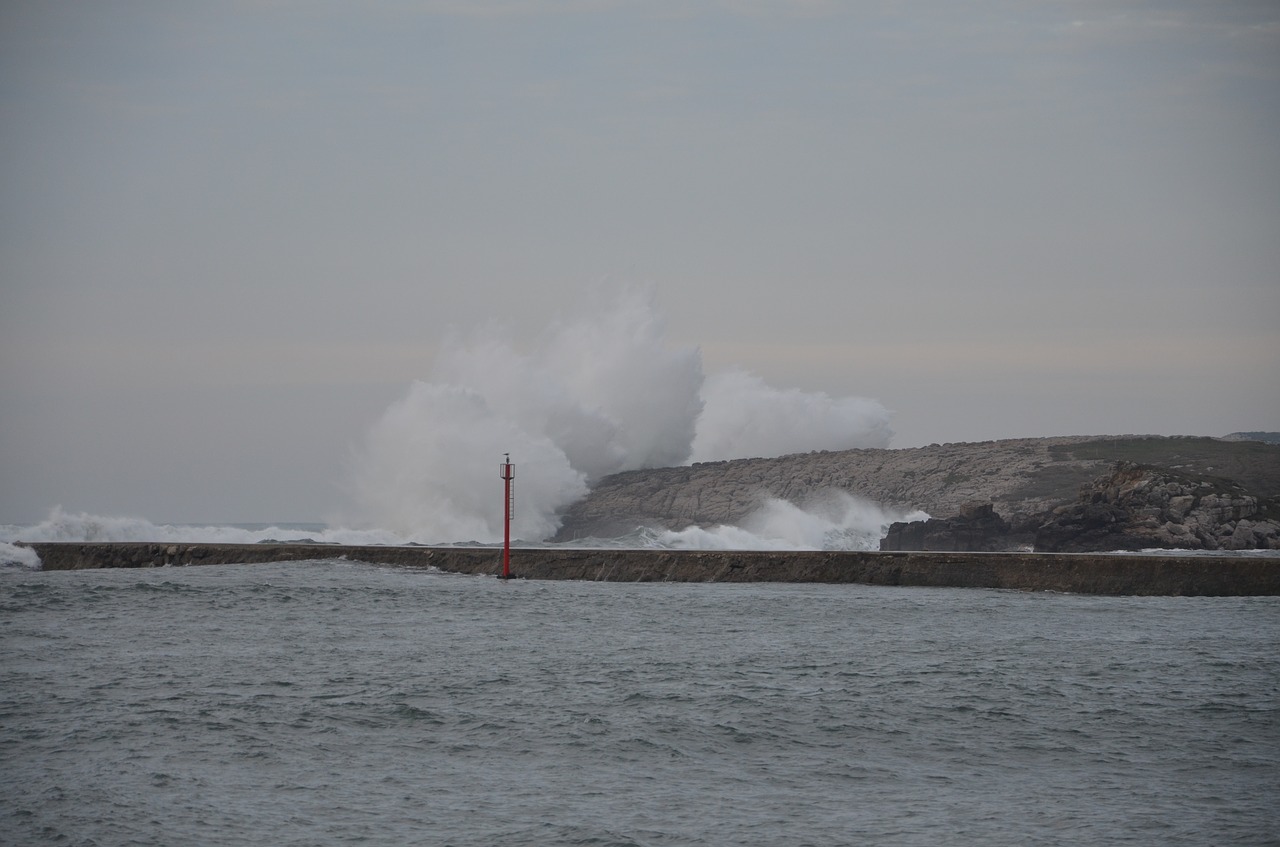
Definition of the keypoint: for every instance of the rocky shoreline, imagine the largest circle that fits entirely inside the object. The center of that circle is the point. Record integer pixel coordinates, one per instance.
(1170, 575)
(1075, 493)
(1135, 507)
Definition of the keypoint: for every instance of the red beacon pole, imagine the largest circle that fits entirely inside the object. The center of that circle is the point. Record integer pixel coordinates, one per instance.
(508, 474)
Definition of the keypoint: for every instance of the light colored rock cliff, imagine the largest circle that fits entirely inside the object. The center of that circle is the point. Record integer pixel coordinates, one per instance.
(1020, 477)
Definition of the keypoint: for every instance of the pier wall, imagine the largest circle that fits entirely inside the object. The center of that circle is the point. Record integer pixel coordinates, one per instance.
(1085, 573)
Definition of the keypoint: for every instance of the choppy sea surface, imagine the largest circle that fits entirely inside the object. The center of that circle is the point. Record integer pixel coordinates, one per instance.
(334, 702)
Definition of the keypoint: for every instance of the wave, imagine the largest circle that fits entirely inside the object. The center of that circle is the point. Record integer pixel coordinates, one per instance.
(600, 393)
(835, 521)
(13, 556)
(72, 526)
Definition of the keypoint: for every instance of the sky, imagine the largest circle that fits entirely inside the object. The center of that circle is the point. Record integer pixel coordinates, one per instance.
(232, 234)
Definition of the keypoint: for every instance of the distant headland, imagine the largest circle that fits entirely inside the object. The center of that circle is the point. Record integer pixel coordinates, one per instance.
(1063, 494)
(1041, 514)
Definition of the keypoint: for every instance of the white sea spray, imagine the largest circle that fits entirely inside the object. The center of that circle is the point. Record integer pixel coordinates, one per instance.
(602, 392)
(834, 521)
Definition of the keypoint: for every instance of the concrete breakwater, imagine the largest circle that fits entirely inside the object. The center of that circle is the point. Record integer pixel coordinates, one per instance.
(1085, 573)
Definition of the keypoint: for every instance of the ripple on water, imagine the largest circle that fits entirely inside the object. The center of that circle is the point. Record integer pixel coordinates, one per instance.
(339, 704)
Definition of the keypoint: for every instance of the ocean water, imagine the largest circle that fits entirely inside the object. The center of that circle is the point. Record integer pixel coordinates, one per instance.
(334, 702)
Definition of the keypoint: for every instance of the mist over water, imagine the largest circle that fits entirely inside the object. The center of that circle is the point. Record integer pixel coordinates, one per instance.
(601, 392)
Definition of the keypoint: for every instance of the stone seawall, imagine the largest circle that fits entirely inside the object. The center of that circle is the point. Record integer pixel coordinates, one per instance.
(1085, 573)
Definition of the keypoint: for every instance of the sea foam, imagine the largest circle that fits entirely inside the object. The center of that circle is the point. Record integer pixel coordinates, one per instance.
(836, 521)
(602, 391)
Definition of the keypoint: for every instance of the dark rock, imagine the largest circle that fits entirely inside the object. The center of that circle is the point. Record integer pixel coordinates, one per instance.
(977, 528)
(1138, 507)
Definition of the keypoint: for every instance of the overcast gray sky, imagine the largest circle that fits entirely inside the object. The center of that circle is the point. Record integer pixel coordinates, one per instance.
(231, 233)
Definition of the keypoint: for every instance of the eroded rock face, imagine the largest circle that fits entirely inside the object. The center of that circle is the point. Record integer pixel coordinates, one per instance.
(976, 529)
(1139, 507)
(1023, 480)
(1021, 477)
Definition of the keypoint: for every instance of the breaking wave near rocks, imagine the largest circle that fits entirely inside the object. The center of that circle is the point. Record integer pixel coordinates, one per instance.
(61, 525)
(600, 392)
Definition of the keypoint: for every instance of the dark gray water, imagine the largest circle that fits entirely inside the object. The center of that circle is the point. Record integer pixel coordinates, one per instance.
(339, 703)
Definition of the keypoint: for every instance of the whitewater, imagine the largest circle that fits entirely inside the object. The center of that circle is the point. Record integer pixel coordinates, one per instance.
(838, 523)
(335, 702)
(601, 390)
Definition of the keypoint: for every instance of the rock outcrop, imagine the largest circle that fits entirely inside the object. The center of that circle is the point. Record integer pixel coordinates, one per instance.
(1021, 479)
(976, 529)
(1140, 507)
